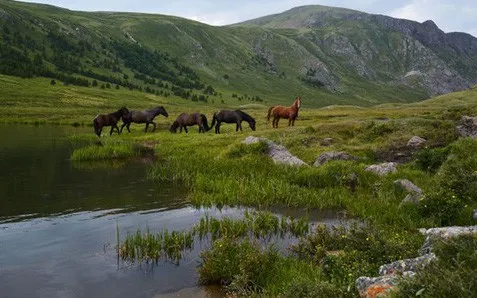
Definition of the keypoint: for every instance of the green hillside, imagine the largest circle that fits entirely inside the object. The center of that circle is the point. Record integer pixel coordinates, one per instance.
(326, 55)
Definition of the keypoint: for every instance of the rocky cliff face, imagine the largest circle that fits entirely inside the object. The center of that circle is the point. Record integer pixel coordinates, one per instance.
(380, 48)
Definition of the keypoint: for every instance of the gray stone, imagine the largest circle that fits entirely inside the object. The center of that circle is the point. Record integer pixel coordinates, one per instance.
(327, 141)
(416, 142)
(371, 286)
(474, 214)
(434, 234)
(278, 153)
(328, 156)
(407, 186)
(409, 265)
(383, 169)
(468, 127)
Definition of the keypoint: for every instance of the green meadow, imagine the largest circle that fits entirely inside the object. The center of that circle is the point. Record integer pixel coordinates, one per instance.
(219, 170)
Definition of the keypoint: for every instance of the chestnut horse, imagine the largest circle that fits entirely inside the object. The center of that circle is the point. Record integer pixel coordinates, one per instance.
(289, 113)
(185, 120)
(111, 119)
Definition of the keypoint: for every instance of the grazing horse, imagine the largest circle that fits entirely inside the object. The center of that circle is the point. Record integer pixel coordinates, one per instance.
(185, 120)
(109, 120)
(231, 116)
(289, 113)
(146, 116)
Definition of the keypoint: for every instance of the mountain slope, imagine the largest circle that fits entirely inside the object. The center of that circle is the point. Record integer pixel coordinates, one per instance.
(327, 55)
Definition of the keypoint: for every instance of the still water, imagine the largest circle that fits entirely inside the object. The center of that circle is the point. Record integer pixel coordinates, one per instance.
(58, 222)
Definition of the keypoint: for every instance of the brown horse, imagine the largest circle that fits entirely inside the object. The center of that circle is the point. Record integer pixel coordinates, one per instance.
(111, 119)
(289, 113)
(185, 120)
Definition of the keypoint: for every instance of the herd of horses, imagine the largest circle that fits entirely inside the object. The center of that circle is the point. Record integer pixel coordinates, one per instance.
(184, 120)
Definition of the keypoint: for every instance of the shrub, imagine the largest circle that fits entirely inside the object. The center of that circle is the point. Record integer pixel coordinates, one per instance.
(431, 159)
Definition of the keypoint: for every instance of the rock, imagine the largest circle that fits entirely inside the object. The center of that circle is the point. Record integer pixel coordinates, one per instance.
(409, 265)
(468, 127)
(407, 186)
(278, 153)
(370, 287)
(474, 214)
(327, 141)
(328, 156)
(414, 193)
(383, 169)
(416, 142)
(434, 234)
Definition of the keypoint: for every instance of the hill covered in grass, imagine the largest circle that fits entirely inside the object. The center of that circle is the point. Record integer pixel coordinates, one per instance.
(326, 55)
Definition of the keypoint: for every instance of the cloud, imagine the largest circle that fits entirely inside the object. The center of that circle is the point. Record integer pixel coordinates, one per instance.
(458, 15)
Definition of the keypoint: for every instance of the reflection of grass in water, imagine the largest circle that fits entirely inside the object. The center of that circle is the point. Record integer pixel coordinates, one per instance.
(107, 164)
(170, 245)
(107, 149)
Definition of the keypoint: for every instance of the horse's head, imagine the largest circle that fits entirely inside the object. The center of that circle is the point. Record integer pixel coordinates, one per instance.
(297, 102)
(174, 127)
(162, 111)
(124, 111)
(252, 125)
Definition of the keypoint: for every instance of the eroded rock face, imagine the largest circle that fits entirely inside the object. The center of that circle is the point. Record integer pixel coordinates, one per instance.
(468, 127)
(278, 153)
(416, 142)
(383, 169)
(333, 155)
(371, 287)
(407, 265)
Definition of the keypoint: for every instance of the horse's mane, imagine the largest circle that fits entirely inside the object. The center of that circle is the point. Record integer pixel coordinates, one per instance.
(245, 116)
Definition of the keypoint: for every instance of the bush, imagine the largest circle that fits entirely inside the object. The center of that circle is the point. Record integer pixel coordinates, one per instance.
(443, 207)
(242, 150)
(431, 159)
(241, 266)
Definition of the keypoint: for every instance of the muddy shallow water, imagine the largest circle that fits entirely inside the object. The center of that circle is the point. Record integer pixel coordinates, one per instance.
(58, 222)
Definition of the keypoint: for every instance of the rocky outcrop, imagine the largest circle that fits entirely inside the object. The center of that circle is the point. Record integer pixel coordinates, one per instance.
(414, 193)
(416, 142)
(278, 153)
(435, 234)
(389, 274)
(468, 127)
(383, 169)
(333, 155)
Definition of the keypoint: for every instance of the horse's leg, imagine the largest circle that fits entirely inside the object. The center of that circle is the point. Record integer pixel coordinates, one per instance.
(240, 126)
(185, 129)
(127, 126)
(117, 128)
(289, 121)
(276, 123)
(111, 131)
(180, 129)
(122, 126)
(154, 129)
(147, 125)
(217, 128)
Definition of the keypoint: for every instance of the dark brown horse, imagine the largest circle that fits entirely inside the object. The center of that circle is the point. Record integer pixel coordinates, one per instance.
(289, 113)
(232, 116)
(111, 119)
(185, 120)
(146, 116)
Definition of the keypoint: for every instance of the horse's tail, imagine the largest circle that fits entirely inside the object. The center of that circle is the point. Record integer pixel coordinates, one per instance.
(96, 125)
(214, 120)
(204, 122)
(269, 113)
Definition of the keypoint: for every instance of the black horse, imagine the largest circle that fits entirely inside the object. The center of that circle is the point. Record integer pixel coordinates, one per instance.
(111, 119)
(146, 116)
(185, 120)
(232, 116)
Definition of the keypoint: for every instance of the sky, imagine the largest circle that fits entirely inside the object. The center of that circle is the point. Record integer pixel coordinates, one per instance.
(449, 15)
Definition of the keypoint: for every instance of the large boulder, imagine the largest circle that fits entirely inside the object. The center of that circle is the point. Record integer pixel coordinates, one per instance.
(468, 127)
(333, 155)
(416, 142)
(278, 153)
(371, 287)
(383, 168)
